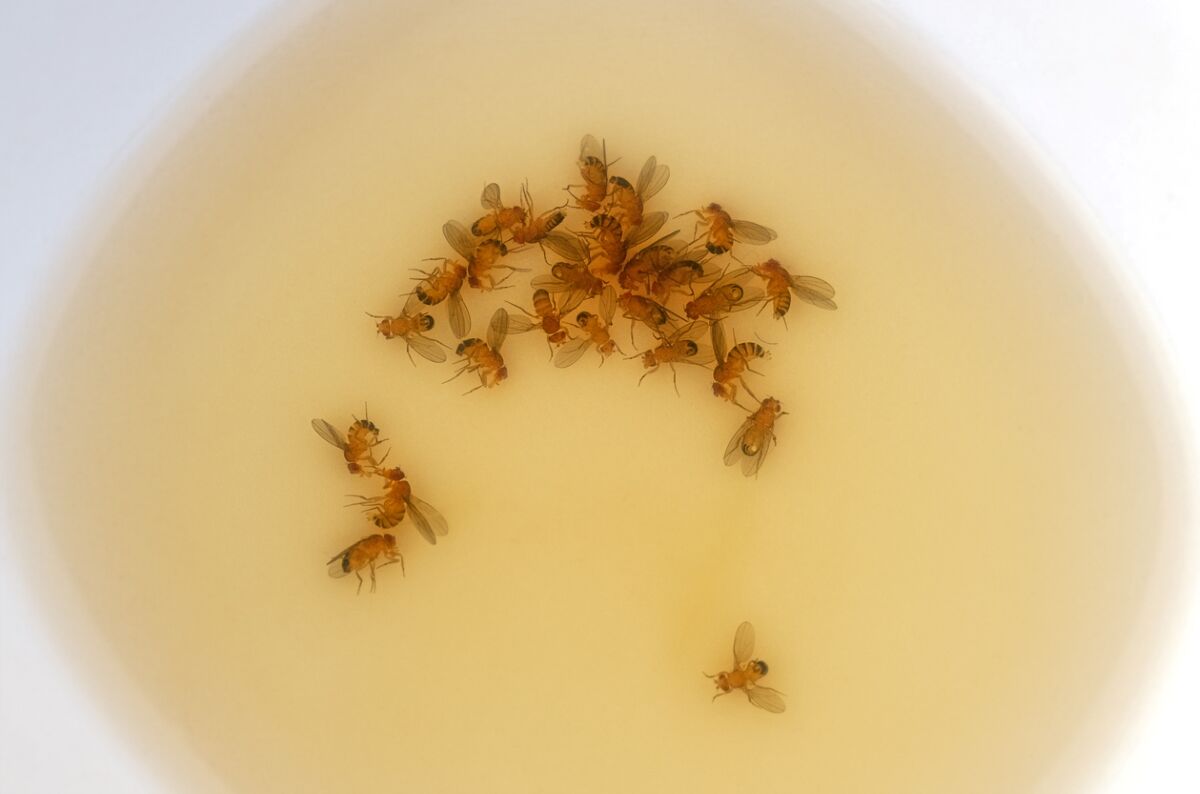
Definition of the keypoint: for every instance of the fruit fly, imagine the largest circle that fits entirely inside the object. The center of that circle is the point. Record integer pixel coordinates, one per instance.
(575, 281)
(643, 310)
(614, 242)
(746, 674)
(546, 316)
(411, 328)
(754, 438)
(501, 218)
(643, 268)
(356, 446)
(593, 167)
(679, 348)
(732, 363)
(595, 331)
(780, 284)
(628, 201)
(398, 501)
(538, 226)
(484, 357)
(443, 284)
(482, 257)
(363, 554)
(723, 231)
(722, 297)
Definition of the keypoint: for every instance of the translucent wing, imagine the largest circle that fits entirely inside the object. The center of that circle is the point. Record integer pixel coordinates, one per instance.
(735, 444)
(652, 178)
(460, 317)
(429, 522)
(752, 463)
(571, 352)
(567, 246)
(751, 296)
(590, 147)
(743, 643)
(608, 303)
(459, 238)
(766, 699)
(329, 433)
(816, 291)
(497, 328)
(573, 299)
(490, 198)
(693, 330)
(548, 283)
(520, 323)
(339, 564)
(703, 357)
(747, 232)
(720, 347)
(649, 227)
(427, 348)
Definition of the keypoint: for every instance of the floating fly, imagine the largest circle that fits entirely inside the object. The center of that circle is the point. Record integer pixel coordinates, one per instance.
(746, 674)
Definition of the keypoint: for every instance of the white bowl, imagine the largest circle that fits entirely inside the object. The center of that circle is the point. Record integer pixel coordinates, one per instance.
(954, 558)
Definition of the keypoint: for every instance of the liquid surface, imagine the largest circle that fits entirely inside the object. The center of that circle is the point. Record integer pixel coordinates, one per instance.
(944, 558)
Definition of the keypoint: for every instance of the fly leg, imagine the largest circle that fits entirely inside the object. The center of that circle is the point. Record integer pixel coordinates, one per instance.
(747, 388)
(372, 576)
(359, 590)
(398, 558)
(466, 368)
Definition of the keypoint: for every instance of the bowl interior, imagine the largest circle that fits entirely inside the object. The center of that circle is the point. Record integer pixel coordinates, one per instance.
(947, 557)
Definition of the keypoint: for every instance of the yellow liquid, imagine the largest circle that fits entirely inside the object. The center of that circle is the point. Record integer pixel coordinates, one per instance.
(947, 557)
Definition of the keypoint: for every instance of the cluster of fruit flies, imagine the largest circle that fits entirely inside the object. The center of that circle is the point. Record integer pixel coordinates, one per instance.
(385, 510)
(606, 253)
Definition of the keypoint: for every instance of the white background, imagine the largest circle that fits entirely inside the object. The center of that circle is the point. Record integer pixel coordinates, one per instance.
(1108, 91)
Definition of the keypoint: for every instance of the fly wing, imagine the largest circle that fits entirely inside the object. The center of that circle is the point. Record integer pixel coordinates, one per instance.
(703, 357)
(429, 522)
(427, 348)
(460, 317)
(743, 643)
(329, 433)
(339, 564)
(751, 296)
(571, 352)
(735, 444)
(572, 301)
(816, 291)
(490, 198)
(568, 246)
(649, 227)
(548, 283)
(590, 147)
(747, 232)
(752, 463)
(693, 330)
(766, 699)
(720, 347)
(497, 329)
(652, 178)
(608, 303)
(459, 238)
(519, 324)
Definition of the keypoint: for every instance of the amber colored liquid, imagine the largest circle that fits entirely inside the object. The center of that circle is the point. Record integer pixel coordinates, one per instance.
(946, 557)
